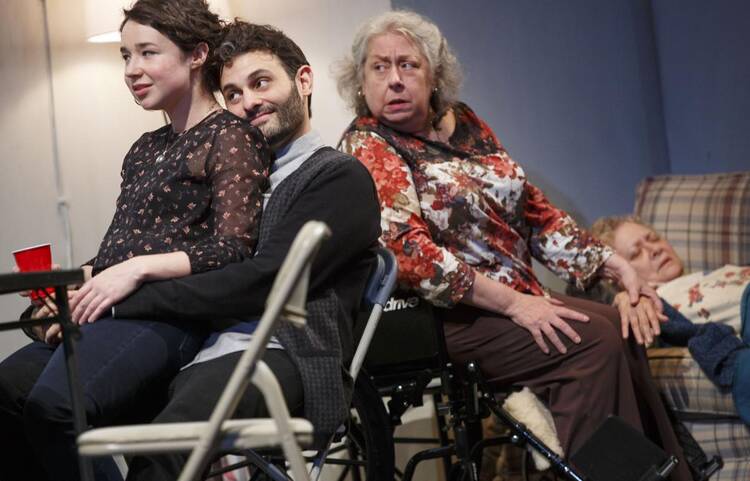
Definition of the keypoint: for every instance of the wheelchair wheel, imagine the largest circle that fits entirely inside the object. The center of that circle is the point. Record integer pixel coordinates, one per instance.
(366, 452)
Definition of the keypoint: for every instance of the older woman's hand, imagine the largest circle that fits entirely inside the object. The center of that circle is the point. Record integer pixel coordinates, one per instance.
(543, 317)
(643, 318)
(620, 270)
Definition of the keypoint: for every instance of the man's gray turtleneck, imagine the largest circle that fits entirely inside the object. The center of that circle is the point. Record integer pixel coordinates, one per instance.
(290, 157)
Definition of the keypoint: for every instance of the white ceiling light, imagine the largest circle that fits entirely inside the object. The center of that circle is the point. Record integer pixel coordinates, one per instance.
(103, 17)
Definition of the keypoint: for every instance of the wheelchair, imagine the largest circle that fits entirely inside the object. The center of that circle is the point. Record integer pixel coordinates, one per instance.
(407, 359)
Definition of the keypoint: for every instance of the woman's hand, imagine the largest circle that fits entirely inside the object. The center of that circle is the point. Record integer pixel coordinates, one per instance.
(49, 333)
(541, 316)
(40, 331)
(620, 270)
(106, 289)
(643, 318)
(115, 283)
(87, 270)
(642, 315)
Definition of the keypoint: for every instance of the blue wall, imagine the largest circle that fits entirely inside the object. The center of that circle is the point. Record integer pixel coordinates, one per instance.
(704, 57)
(571, 88)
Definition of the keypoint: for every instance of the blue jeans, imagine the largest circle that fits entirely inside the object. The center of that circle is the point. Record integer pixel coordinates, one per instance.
(125, 369)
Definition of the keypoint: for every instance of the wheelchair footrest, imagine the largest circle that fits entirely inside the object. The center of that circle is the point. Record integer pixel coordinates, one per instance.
(617, 452)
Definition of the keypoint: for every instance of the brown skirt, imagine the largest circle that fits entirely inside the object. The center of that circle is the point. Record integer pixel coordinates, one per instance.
(602, 375)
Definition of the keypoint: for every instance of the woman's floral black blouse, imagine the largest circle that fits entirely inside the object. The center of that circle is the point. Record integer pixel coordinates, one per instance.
(199, 191)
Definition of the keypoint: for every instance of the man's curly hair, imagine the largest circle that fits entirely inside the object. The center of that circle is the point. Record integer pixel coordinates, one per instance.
(243, 37)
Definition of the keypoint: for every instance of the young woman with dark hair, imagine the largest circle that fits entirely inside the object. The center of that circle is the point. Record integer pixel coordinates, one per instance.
(190, 201)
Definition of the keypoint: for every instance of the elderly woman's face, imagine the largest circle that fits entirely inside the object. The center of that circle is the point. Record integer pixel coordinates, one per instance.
(652, 256)
(397, 83)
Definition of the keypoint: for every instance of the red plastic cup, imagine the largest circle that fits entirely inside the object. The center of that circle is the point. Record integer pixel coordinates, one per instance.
(35, 258)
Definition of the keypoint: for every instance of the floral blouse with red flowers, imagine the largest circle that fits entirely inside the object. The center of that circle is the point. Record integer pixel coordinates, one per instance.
(452, 209)
(200, 192)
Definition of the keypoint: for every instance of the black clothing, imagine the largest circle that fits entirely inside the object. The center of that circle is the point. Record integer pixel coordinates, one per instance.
(331, 187)
(193, 395)
(124, 369)
(199, 192)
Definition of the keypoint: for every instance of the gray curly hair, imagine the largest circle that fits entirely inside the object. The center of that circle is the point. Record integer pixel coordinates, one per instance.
(604, 228)
(444, 67)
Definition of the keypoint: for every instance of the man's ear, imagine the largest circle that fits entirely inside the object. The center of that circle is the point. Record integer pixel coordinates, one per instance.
(304, 80)
(199, 55)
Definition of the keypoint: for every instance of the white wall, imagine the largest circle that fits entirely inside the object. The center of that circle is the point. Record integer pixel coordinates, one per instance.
(97, 119)
(96, 123)
(27, 189)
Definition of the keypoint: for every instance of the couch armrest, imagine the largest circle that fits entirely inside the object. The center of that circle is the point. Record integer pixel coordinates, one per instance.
(685, 388)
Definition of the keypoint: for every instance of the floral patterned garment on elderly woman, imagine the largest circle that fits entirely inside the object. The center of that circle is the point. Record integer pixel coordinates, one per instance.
(199, 192)
(449, 210)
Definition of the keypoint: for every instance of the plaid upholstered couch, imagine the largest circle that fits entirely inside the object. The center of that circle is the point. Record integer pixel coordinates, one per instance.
(707, 220)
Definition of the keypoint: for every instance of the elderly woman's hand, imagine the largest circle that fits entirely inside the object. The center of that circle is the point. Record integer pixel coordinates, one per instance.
(543, 317)
(620, 270)
(643, 318)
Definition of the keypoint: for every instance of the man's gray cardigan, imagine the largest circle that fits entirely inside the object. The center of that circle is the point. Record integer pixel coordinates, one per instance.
(331, 187)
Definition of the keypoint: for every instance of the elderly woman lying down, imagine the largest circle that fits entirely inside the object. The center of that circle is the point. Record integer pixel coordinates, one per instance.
(708, 311)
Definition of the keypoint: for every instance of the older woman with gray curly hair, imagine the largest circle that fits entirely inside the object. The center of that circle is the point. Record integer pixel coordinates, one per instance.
(464, 222)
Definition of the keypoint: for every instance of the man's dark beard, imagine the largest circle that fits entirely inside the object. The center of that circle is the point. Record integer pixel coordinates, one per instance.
(290, 116)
